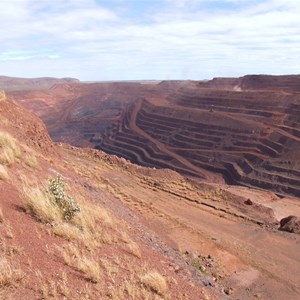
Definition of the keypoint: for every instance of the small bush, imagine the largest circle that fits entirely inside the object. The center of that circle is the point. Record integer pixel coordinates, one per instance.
(65, 202)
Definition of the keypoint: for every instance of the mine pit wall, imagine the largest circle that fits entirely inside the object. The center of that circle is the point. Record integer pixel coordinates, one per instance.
(243, 154)
(123, 141)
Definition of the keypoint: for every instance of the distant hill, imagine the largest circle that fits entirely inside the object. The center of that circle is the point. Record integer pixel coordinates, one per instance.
(17, 84)
(255, 82)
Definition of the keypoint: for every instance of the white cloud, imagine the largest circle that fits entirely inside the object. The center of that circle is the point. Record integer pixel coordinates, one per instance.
(181, 39)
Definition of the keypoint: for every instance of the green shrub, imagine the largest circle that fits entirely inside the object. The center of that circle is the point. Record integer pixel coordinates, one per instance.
(65, 202)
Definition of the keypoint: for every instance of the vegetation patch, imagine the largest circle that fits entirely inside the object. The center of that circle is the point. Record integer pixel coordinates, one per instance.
(196, 263)
(51, 205)
(9, 276)
(40, 205)
(9, 149)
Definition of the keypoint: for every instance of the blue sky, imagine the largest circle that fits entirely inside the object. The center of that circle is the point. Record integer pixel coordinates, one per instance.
(134, 40)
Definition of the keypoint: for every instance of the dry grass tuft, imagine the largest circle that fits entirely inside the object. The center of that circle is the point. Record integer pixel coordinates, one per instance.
(134, 249)
(82, 236)
(3, 173)
(14, 250)
(9, 276)
(31, 161)
(64, 289)
(90, 241)
(155, 282)
(91, 216)
(67, 231)
(111, 268)
(131, 246)
(52, 289)
(102, 215)
(88, 266)
(90, 223)
(9, 149)
(70, 254)
(8, 230)
(39, 204)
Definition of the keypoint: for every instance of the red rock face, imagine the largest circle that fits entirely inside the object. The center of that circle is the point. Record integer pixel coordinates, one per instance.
(239, 130)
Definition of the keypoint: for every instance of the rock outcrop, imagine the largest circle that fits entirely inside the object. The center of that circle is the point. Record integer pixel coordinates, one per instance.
(290, 224)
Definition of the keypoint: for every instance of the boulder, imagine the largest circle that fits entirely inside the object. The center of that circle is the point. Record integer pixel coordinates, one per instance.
(290, 224)
(248, 202)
